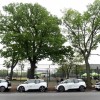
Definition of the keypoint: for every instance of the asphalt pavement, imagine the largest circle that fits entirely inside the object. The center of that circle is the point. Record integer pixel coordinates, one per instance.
(93, 95)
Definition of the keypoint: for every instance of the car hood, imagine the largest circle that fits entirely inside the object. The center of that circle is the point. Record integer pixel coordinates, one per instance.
(23, 84)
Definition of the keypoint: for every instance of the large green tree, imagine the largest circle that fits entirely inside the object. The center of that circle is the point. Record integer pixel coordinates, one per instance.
(34, 30)
(83, 31)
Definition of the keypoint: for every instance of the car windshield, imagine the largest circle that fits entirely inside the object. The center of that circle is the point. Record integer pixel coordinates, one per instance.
(25, 82)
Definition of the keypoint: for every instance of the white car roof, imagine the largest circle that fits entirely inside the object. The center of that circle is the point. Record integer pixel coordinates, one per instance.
(2, 80)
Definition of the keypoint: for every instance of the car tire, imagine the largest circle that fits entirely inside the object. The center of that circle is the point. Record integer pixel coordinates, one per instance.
(8, 90)
(61, 89)
(42, 89)
(21, 89)
(82, 88)
(97, 89)
(2, 89)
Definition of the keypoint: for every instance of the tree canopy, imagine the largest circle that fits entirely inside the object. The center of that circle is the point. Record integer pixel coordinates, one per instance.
(33, 31)
(83, 31)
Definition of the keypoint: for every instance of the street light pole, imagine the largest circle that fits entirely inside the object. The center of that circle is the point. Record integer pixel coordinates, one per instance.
(76, 71)
(47, 77)
(49, 73)
(98, 72)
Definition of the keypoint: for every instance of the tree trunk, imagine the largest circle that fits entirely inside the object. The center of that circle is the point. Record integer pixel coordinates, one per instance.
(67, 74)
(63, 72)
(88, 80)
(32, 70)
(76, 71)
(11, 74)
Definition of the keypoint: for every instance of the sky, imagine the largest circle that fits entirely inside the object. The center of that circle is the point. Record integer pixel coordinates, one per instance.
(56, 7)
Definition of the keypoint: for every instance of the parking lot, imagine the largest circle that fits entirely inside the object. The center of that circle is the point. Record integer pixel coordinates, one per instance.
(51, 87)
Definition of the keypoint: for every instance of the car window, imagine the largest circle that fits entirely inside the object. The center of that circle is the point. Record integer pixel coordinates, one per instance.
(64, 81)
(70, 81)
(3, 80)
(76, 81)
(67, 81)
(31, 81)
(41, 80)
(37, 81)
(80, 80)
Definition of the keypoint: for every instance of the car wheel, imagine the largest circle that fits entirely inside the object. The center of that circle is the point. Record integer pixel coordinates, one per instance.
(21, 89)
(61, 89)
(42, 89)
(2, 89)
(97, 89)
(82, 88)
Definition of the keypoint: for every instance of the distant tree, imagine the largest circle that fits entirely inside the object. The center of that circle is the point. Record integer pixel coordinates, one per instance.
(68, 64)
(83, 31)
(21, 67)
(34, 30)
(3, 73)
(11, 62)
(78, 70)
(64, 71)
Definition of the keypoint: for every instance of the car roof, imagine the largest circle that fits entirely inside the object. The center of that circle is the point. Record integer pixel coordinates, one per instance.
(73, 79)
(36, 79)
(2, 79)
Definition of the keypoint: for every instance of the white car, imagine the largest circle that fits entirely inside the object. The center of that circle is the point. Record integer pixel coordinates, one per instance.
(97, 86)
(4, 85)
(70, 84)
(33, 84)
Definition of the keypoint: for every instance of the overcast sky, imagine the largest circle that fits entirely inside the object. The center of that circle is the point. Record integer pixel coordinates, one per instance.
(55, 7)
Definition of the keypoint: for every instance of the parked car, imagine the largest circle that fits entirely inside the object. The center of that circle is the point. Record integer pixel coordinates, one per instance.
(33, 84)
(70, 84)
(97, 86)
(4, 85)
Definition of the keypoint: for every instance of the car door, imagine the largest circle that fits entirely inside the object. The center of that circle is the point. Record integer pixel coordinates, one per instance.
(76, 84)
(34, 84)
(30, 84)
(68, 84)
(37, 84)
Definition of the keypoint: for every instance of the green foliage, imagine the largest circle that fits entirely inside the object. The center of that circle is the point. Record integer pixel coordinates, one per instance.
(84, 27)
(3, 73)
(6, 64)
(83, 31)
(65, 70)
(30, 32)
(32, 29)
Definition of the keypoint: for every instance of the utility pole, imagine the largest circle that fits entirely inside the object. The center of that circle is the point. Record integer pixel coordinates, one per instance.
(47, 77)
(98, 72)
(49, 73)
